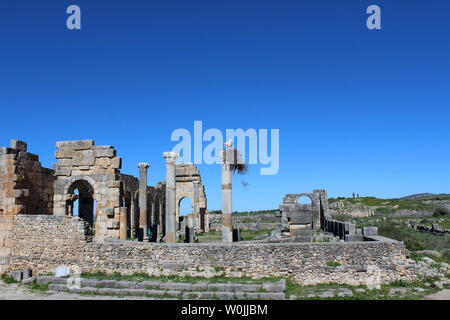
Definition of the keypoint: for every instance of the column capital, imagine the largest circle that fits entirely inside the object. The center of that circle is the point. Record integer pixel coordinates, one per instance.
(170, 156)
(196, 182)
(143, 165)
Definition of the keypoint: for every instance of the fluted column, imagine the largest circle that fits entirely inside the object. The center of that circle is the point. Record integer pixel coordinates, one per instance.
(171, 158)
(143, 198)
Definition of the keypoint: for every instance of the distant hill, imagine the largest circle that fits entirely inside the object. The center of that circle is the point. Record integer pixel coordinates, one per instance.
(424, 195)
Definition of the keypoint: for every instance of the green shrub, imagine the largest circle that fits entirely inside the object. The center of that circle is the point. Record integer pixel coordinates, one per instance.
(439, 212)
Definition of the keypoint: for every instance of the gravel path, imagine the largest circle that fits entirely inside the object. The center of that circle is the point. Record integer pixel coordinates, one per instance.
(441, 295)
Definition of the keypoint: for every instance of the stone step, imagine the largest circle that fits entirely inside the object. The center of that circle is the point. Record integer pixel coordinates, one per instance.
(220, 295)
(276, 287)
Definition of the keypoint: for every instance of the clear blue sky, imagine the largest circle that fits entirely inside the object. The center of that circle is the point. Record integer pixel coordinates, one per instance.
(358, 110)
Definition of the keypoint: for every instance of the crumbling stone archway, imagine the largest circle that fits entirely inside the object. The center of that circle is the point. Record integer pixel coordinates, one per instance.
(189, 184)
(85, 199)
(100, 167)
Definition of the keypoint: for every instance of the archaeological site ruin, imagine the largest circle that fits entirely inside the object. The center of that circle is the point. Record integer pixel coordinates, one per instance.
(85, 212)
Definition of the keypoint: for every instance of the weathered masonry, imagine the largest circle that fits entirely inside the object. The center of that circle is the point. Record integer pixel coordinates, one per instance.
(86, 182)
(300, 219)
(305, 263)
(189, 185)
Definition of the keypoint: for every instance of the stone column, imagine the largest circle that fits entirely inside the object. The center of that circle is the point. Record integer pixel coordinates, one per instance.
(196, 206)
(132, 210)
(227, 218)
(123, 223)
(143, 198)
(171, 158)
(160, 222)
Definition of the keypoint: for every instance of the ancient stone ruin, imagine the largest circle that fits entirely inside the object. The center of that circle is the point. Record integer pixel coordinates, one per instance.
(86, 213)
(113, 205)
(298, 221)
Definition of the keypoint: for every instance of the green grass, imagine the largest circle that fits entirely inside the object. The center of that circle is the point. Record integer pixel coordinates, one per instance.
(333, 264)
(249, 235)
(251, 213)
(385, 206)
(39, 286)
(7, 279)
(413, 239)
(175, 278)
(383, 293)
(246, 234)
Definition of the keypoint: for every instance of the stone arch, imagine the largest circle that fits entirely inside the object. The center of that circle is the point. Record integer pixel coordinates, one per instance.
(181, 199)
(304, 194)
(85, 199)
(74, 179)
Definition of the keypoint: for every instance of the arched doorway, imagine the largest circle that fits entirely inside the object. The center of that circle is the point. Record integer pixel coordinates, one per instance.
(185, 208)
(305, 203)
(81, 203)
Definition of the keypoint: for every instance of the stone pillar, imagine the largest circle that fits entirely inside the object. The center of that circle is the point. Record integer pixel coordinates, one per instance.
(143, 198)
(123, 223)
(227, 219)
(171, 158)
(196, 206)
(132, 211)
(160, 222)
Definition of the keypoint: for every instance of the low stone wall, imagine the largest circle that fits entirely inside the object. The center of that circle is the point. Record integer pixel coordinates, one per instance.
(44, 242)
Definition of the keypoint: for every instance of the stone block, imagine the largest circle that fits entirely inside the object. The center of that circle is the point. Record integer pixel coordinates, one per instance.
(89, 283)
(89, 290)
(83, 161)
(303, 239)
(279, 286)
(354, 237)
(28, 280)
(133, 292)
(16, 275)
(116, 163)
(153, 292)
(18, 145)
(109, 291)
(199, 286)
(107, 283)
(125, 284)
(173, 293)
(76, 145)
(370, 231)
(301, 232)
(58, 287)
(148, 284)
(56, 280)
(5, 150)
(225, 295)
(44, 279)
(271, 295)
(65, 154)
(176, 286)
(104, 151)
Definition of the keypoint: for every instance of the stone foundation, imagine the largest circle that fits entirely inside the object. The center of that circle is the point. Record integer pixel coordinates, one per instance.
(44, 242)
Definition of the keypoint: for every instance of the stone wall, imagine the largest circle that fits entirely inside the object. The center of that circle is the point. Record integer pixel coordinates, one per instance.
(186, 174)
(44, 242)
(25, 186)
(82, 165)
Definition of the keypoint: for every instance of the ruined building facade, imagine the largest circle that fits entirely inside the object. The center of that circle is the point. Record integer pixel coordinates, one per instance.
(113, 205)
